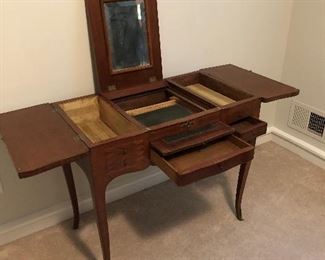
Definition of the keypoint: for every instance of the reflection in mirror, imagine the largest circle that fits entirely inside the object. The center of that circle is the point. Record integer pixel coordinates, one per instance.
(127, 33)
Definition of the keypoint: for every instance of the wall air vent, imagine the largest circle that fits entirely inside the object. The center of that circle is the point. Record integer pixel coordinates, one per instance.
(307, 120)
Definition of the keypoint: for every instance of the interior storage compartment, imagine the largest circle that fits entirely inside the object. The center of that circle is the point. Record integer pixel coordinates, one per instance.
(210, 90)
(97, 119)
(249, 128)
(156, 107)
(207, 160)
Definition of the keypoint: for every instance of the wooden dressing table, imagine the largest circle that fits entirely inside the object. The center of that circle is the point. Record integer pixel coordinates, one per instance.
(191, 126)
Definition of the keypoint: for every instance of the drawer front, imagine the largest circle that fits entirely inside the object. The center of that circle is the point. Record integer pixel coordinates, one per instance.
(202, 162)
(191, 122)
(191, 138)
(249, 128)
(122, 156)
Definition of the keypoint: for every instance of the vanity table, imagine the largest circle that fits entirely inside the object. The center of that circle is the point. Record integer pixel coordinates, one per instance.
(191, 126)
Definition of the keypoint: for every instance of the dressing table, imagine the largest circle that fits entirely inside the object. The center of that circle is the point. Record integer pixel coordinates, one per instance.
(191, 126)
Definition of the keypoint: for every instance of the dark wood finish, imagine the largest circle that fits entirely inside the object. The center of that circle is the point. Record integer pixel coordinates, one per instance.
(98, 188)
(247, 81)
(46, 136)
(72, 193)
(240, 110)
(243, 173)
(147, 98)
(196, 77)
(214, 158)
(185, 140)
(249, 128)
(142, 99)
(38, 139)
(128, 154)
(186, 94)
(184, 124)
(101, 54)
(133, 90)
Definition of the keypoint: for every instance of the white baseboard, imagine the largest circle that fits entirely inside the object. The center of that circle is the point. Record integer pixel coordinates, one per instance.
(51, 216)
(298, 146)
(60, 212)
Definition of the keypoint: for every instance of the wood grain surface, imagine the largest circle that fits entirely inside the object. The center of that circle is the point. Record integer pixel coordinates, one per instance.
(265, 88)
(38, 139)
(213, 96)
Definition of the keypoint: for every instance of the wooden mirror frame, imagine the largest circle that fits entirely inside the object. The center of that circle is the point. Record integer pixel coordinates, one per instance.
(107, 79)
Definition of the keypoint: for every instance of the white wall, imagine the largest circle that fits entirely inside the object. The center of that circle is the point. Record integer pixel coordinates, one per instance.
(45, 57)
(304, 65)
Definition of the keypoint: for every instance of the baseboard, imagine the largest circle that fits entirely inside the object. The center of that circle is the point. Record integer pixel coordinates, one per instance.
(298, 146)
(51, 216)
(60, 212)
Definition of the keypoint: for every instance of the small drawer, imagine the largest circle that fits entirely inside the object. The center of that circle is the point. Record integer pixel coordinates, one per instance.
(191, 137)
(216, 157)
(249, 128)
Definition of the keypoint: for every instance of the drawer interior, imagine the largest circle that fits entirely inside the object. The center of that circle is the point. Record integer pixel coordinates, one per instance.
(209, 89)
(156, 107)
(97, 119)
(206, 160)
(249, 128)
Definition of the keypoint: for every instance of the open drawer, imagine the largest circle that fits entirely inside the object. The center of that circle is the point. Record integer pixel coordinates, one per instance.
(204, 161)
(249, 128)
(191, 137)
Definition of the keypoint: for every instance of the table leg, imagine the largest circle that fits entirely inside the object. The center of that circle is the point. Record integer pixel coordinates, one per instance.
(73, 194)
(99, 200)
(243, 172)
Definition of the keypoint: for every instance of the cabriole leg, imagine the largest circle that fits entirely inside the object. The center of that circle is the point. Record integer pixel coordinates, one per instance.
(98, 195)
(73, 194)
(243, 172)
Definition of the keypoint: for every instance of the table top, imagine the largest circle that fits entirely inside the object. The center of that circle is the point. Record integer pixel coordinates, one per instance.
(247, 81)
(38, 139)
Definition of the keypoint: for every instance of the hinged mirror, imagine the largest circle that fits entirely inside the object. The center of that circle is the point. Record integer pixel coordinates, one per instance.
(127, 35)
(125, 42)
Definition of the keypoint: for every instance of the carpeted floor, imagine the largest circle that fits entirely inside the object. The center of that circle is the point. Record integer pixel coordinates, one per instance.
(283, 208)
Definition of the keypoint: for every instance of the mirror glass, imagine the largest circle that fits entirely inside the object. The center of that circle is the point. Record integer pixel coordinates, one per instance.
(127, 34)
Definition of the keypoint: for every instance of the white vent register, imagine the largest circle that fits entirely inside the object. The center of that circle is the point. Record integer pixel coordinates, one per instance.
(307, 120)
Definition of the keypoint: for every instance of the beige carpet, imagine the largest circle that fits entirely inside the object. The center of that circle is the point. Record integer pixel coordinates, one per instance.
(283, 207)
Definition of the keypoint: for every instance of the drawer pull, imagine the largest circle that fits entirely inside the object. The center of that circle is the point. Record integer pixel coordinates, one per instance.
(187, 124)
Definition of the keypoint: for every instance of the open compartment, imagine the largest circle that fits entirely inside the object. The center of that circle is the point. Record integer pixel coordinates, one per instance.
(249, 128)
(208, 89)
(207, 160)
(97, 119)
(152, 108)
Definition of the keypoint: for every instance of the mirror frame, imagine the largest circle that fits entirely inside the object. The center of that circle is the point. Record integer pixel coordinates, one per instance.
(106, 78)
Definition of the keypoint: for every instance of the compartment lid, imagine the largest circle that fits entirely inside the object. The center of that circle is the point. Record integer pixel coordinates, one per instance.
(125, 44)
(38, 139)
(247, 81)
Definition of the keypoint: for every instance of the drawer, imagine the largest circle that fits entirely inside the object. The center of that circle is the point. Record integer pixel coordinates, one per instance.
(204, 161)
(249, 128)
(120, 156)
(190, 138)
